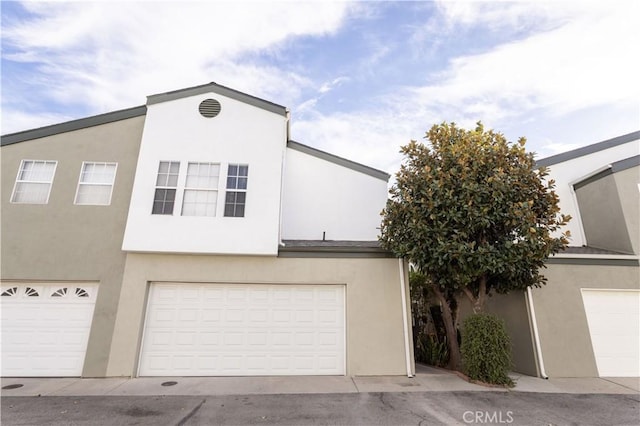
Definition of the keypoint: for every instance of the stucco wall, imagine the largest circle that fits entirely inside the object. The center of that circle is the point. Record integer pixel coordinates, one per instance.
(628, 184)
(67, 242)
(375, 343)
(240, 134)
(599, 204)
(562, 321)
(512, 308)
(323, 198)
(60, 241)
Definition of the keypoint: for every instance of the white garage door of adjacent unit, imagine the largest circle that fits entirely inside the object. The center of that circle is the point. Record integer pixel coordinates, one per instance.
(243, 330)
(45, 328)
(614, 324)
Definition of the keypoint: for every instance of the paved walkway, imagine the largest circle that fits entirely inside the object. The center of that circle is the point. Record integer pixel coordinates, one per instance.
(427, 379)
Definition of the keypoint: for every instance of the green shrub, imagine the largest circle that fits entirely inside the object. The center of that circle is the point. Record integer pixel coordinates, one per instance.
(432, 352)
(486, 349)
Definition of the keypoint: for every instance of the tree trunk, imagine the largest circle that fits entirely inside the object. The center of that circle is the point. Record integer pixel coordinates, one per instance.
(478, 306)
(455, 359)
(477, 302)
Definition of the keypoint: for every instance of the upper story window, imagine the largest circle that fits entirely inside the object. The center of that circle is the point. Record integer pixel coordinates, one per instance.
(33, 183)
(166, 184)
(95, 185)
(201, 189)
(235, 201)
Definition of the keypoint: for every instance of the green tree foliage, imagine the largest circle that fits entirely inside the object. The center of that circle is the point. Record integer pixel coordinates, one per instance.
(486, 349)
(471, 211)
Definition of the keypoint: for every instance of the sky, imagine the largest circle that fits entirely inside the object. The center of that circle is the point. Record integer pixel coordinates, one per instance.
(361, 79)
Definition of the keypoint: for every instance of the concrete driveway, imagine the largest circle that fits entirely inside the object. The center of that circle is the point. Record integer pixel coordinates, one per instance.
(433, 396)
(427, 379)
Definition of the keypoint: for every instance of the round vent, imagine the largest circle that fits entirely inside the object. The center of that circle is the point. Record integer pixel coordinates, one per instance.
(209, 108)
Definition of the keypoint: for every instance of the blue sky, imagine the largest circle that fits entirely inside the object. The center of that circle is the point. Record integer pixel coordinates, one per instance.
(360, 78)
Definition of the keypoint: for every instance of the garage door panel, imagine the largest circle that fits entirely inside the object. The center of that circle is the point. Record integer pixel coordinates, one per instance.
(613, 318)
(45, 328)
(245, 329)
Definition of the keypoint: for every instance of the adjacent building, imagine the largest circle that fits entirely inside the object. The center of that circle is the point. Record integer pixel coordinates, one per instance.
(585, 322)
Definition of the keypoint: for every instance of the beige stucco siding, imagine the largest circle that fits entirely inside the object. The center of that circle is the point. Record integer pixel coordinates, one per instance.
(628, 184)
(512, 308)
(66, 242)
(599, 204)
(375, 343)
(562, 321)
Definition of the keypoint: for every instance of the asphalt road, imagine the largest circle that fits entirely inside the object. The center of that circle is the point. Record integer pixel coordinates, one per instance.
(415, 408)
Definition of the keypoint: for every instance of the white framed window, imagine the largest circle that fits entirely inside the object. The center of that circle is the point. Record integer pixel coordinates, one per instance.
(95, 185)
(33, 183)
(236, 197)
(166, 184)
(201, 189)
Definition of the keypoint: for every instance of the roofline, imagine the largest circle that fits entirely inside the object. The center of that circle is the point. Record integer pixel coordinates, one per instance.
(323, 155)
(589, 149)
(70, 126)
(331, 249)
(594, 260)
(220, 90)
(625, 164)
(612, 168)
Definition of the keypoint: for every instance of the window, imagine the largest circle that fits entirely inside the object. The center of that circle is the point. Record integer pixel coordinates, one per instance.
(96, 183)
(236, 190)
(201, 189)
(166, 184)
(33, 183)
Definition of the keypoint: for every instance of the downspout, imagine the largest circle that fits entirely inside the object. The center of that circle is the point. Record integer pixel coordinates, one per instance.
(405, 318)
(536, 335)
(282, 176)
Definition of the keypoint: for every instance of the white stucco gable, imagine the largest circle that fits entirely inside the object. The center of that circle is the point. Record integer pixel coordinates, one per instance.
(200, 153)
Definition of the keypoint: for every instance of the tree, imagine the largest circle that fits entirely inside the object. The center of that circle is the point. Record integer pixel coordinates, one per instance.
(471, 211)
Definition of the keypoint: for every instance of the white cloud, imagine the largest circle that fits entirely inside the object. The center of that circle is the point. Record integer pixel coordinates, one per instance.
(110, 55)
(578, 59)
(584, 61)
(328, 86)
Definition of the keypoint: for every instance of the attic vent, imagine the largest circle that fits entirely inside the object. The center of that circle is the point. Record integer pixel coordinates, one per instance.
(209, 108)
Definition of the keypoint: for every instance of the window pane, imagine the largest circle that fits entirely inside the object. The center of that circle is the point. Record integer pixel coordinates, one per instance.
(103, 173)
(168, 173)
(242, 183)
(233, 170)
(232, 182)
(199, 203)
(234, 204)
(243, 170)
(33, 193)
(172, 180)
(164, 201)
(203, 175)
(37, 171)
(94, 194)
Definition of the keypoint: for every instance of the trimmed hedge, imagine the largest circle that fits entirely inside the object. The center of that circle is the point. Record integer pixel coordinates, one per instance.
(486, 349)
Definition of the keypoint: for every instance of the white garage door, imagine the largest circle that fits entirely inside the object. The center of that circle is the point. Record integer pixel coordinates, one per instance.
(243, 329)
(45, 328)
(614, 325)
